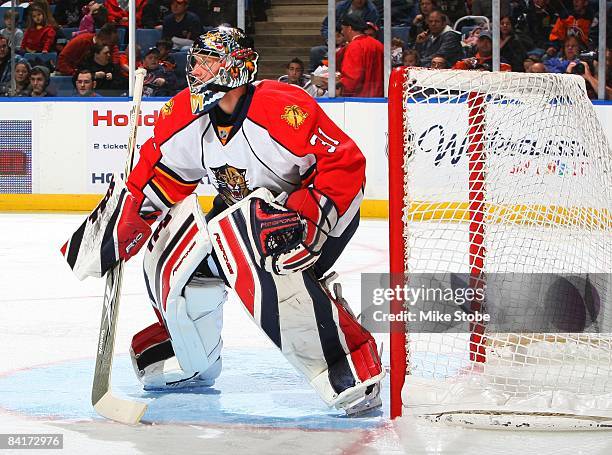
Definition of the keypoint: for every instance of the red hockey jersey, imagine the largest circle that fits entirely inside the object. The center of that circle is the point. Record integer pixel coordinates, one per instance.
(279, 139)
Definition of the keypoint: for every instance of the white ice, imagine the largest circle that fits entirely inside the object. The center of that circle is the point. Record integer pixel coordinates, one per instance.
(48, 334)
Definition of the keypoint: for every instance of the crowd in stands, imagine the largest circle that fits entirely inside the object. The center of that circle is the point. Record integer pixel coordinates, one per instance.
(79, 47)
(554, 36)
(66, 42)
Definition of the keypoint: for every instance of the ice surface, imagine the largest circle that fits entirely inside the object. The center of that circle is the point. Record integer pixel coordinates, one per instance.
(48, 334)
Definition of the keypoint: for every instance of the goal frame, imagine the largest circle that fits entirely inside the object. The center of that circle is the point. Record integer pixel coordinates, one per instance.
(397, 248)
(476, 156)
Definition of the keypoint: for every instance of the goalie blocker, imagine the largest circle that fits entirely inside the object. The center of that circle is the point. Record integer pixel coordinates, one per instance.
(314, 329)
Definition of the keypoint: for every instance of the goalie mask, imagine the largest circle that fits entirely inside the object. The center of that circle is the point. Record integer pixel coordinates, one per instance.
(219, 61)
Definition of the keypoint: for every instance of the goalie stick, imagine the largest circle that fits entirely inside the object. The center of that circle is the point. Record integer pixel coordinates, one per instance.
(102, 398)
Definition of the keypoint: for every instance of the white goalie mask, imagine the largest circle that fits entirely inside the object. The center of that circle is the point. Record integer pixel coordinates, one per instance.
(219, 61)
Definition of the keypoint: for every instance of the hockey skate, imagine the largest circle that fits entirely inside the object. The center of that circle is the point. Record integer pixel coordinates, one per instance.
(368, 405)
(163, 382)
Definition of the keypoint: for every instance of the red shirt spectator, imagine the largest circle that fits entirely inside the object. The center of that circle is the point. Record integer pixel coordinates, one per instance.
(81, 47)
(361, 71)
(118, 12)
(38, 36)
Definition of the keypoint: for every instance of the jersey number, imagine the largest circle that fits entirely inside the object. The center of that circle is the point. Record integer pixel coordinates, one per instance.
(325, 140)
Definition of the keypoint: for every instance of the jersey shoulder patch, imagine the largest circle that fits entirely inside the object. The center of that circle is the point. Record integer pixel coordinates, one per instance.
(174, 116)
(283, 109)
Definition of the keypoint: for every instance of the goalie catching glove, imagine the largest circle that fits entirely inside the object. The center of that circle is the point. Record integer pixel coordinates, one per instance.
(114, 231)
(289, 238)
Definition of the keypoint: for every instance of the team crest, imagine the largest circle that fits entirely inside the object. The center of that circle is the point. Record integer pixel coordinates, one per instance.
(294, 116)
(232, 183)
(166, 110)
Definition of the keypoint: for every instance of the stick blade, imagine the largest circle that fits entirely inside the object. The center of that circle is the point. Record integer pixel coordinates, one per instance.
(119, 410)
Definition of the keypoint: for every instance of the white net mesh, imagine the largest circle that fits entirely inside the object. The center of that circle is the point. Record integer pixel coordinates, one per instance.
(508, 174)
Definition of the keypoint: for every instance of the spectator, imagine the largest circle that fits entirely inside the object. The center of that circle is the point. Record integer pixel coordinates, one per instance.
(118, 12)
(453, 9)
(539, 20)
(44, 4)
(68, 13)
(397, 46)
(106, 73)
(84, 83)
(529, 61)
(571, 50)
(483, 60)
(364, 8)
(402, 11)
(5, 66)
(512, 50)
(10, 19)
(295, 76)
(537, 67)
(158, 81)
(182, 27)
(419, 23)
(472, 38)
(340, 45)
(439, 39)
(485, 8)
(218, 12)
(22, 78)
(582, 69)
(410, 57)
(575, 24)
(165, 59)
(94, 17)
(438, 62)
(154, 12)
(361, 71)
(372, 29)
(39, 81)
(39, 35)
(81, 47)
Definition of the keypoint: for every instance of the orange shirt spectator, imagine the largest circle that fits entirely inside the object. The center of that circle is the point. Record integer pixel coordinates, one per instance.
(576, 24)
(483, 60)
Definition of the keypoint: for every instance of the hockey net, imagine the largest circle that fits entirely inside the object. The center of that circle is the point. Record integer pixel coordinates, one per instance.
(505, 176)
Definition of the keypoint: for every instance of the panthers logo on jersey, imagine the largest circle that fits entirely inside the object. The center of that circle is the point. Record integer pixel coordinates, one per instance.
(232, 183)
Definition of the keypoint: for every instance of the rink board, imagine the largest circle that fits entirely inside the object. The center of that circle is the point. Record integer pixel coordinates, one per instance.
(74, 147)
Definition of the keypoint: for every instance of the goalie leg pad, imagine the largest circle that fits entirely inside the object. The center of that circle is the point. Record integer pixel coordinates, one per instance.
(191, 308)
(312, 327)
(195, 322)
(157, 367)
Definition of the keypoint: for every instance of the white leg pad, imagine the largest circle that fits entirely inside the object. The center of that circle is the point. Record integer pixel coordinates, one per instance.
(194, 322)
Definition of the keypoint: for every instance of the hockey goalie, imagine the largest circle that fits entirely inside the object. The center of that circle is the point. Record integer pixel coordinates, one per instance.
(289, 183)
